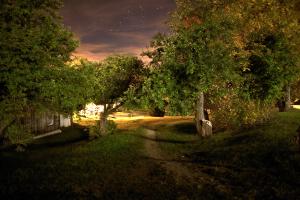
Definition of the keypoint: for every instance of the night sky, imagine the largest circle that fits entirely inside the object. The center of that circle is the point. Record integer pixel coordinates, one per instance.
(105, 27)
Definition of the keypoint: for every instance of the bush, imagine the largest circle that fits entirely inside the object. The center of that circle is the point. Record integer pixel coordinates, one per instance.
(156, 112)
(231, 112)
(19, 136)
(95, 131)
(111, 127)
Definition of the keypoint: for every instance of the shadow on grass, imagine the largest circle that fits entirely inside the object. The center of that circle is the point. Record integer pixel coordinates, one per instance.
(271, 168)
(261, 162)
(69, 135)
(187, 128)
(252, 148)
(161, 140)
(184, 128)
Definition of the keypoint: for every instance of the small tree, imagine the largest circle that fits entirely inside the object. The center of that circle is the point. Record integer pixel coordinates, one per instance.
(116, 78)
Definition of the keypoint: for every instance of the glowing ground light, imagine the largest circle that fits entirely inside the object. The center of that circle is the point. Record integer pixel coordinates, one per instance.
(296, 106)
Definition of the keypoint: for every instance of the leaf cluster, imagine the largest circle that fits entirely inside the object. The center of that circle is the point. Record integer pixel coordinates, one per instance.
(35, 49)
(115, 77)
(251, 47)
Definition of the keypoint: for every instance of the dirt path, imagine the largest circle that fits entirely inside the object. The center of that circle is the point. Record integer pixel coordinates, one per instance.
(180, 172)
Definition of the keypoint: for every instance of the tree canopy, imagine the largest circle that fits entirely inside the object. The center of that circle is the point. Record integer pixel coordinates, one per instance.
(117, 79)
(197, 53)
(217, 46)
(269, 36)
(35, 48)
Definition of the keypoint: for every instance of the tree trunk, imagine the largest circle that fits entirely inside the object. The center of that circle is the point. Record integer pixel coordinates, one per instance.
(281, 105)
(204, 127)
(287, 98)
(103, 121)
(156, 112)
(284, 104)
(71, 119)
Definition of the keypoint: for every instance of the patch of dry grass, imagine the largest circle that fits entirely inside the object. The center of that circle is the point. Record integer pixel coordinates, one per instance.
(136, 122)
(131, 121)
(296, 106)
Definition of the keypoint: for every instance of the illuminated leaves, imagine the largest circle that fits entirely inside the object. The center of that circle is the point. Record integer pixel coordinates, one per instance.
(115, 77)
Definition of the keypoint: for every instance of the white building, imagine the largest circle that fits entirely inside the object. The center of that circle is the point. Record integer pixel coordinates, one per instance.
(91, 109)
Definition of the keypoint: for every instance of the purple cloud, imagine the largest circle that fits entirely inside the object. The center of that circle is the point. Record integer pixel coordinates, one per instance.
(115, 26)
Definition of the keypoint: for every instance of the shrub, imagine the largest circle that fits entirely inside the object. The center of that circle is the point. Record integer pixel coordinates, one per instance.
(231, 112)
(156, 112)
(111, 127)
(95, 131)
(19, 136)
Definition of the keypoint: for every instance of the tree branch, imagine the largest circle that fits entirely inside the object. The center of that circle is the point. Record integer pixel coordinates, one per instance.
(112, 109)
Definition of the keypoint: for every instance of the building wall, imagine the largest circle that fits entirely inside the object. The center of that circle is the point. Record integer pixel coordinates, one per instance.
(38, 123)
(65, 121)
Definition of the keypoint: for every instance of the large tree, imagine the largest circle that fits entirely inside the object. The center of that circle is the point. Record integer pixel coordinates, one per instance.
(270, 36)
(34, 49)
(198, 54)
(117, 80)
(249, 46)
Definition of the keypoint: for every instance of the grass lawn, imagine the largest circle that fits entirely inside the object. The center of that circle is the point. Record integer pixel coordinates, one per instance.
(67, 166)
(259, 163)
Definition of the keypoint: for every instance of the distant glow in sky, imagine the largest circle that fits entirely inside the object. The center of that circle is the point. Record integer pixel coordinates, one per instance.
(115, 26)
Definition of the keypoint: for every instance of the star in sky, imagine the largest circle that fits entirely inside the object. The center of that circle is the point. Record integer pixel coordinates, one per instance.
(107, 27)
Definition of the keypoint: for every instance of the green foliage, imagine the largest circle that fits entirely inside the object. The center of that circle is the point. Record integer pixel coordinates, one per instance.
(230, 110)
(233, 113)
(111, 127)
(73, 87)
(272, 66)
(295, 91)
(19, 136)
(115, 76)
(195, 55)
(35, 48)
(95, 131)
(250, 47)
(117, 82)
(157, 49)
(269, 35)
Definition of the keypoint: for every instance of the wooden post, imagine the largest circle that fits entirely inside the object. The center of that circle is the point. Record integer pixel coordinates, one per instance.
(103, 120)
(204, 127)
(287, 97)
